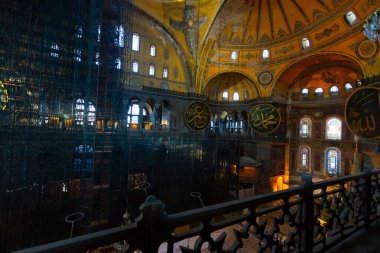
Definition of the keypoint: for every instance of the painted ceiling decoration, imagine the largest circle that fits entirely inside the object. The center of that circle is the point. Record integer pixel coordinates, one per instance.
(210, 30)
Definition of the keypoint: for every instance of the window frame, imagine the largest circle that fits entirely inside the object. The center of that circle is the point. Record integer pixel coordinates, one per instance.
(152, 51)
(137, 64)
(135, 42)
(328, 126)
(301, 166)
(338, 161)
(152, 70)
(309, 124)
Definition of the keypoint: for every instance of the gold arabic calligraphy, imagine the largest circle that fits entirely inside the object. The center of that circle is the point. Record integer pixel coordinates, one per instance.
(197, 116)
(264, 118)
(363, 112)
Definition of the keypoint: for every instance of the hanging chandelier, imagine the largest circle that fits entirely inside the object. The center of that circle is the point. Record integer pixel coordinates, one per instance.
(371, 28)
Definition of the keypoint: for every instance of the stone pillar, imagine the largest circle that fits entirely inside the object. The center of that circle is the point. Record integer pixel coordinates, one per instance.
(156, 123)
(141, 109)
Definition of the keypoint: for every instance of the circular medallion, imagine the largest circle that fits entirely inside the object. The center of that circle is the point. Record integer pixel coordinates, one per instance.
(362, 112)
(264, 118)
(265, 78)
(3, 97)
(197, 116)
(367, 49)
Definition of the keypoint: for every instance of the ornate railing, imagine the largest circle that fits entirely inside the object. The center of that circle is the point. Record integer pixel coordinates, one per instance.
(310, 218)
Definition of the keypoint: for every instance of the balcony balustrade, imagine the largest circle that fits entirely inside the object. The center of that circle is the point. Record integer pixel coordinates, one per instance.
(311, 218)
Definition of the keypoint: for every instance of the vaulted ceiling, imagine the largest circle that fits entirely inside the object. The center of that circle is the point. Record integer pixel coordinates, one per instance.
(209, 30)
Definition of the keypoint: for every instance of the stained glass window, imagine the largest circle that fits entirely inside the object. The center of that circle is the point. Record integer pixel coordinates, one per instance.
(304, 159)
(332, 161)
(165, 72)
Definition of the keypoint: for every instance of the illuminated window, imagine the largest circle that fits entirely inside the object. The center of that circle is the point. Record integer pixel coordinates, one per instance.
(305, 128)
(318, 92)
(135, 66)
(305, 92)
(233, 55)
(333, 129)
(152, 69)
(118, 63)
(165, 72)
(134, 113)
(91, 114)
(348, 87)
(304, 159)
(78, 31)
(265, 54)
(136, 42)
(99, 30)
(54, 50)
(77, 55)
(332, 161)
(236, 96)
(225, 96)
(152, 50)
(305, 43)
(334, 91)
(97, 62)
(246, 95)
(79, 111)
(350, 18)
(119, 40)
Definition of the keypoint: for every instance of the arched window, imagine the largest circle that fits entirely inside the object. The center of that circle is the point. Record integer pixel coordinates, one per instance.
(91, 114)
(165, 72)
(246, 95)
(305, 128)
(332, 161)
(135, 66)
(304, 159)
(152, 50)
(152, 69)
(79, 111)
(265, 54)
(77, 55)
(333, 128)
(136, 42)
(225, 96)
(305, 43)
(119, 40)
(319, 92)
(348, 87)
(350, 18)
(133, 115)
(118, 63)
(54, 50)
(234, 55)
(97, 62)
(305, 92)
(334, 91)
(235, 96)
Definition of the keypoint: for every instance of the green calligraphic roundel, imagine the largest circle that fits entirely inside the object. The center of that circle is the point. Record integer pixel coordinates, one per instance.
(264, 118)
(362, 112)
(197, 116)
